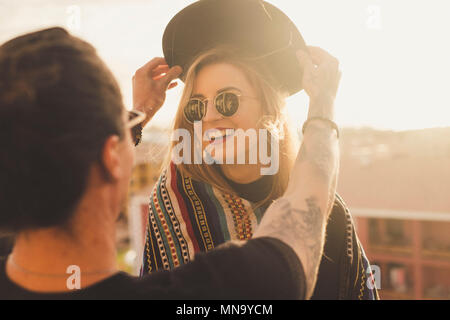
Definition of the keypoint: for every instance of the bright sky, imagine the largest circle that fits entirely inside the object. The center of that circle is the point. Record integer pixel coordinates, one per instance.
(395, 54)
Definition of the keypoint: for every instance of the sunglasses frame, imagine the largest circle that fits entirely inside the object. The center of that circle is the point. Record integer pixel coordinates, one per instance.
(139, 118)
(239, 95)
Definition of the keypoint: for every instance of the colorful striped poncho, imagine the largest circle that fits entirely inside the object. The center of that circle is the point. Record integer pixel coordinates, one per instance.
(187, 217)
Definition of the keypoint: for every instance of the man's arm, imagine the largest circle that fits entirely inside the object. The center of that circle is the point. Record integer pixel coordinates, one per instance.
(262, 269)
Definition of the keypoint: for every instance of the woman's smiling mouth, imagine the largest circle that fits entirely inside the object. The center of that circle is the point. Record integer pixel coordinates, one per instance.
(217, 135)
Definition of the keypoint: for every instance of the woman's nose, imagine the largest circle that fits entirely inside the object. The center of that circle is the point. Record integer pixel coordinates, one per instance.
(211, 112)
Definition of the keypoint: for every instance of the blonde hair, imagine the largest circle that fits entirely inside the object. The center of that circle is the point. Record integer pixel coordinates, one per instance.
(274, 120)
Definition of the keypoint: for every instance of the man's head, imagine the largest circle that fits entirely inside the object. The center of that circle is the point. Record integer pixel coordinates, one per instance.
(62, 129)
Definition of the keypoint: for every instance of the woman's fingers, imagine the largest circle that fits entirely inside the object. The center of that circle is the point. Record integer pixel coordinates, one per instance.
(318, 55)
(172, 85)
(307, 65)
(172, 74)
(167, 76)
(304, 59)
(321, 73)
(150, 83)
(162, 66)
(156, 78)
(152, 64)
(146, 71)
(159, 70)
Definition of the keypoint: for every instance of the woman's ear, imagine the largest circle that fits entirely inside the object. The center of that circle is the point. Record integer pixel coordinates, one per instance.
(111, 159)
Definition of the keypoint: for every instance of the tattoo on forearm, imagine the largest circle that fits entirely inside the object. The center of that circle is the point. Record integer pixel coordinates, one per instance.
(302, 154)
(311, 225)
(302, 229)
(319, 149)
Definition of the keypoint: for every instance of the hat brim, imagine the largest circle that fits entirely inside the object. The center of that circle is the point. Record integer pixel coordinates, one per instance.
(256, 27)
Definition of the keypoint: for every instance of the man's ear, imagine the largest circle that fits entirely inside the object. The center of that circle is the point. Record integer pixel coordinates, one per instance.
(111, 157)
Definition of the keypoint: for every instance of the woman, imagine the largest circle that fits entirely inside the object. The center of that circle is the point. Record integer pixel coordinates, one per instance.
(196, 207)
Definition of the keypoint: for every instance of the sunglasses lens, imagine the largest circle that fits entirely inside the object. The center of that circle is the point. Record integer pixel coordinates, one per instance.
(227, 103)
(194, 110)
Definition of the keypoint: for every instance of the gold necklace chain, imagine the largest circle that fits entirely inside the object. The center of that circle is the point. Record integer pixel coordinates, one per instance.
(55, 275)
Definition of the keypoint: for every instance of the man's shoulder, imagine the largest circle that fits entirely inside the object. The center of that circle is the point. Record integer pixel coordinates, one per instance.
(118, 286)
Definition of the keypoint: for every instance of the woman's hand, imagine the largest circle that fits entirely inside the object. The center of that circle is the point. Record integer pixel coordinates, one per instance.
(321, 78)
(150, 83)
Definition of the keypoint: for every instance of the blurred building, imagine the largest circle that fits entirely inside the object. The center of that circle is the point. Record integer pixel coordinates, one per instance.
(397, 186)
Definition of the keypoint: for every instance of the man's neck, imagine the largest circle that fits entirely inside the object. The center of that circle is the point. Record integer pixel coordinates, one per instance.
(41, 258)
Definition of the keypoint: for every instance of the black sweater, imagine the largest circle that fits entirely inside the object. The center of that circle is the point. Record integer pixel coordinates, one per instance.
(263, 268)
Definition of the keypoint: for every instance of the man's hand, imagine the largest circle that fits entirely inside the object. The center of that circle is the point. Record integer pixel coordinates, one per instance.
(150, 83)
(321, 78)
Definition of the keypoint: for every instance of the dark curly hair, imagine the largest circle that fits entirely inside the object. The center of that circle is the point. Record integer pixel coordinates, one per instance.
(58, 104)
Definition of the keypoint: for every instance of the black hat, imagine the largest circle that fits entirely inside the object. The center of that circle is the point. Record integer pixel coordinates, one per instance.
(254, 26)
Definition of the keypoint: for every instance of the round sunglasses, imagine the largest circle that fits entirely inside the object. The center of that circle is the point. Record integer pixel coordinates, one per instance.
(226, 103)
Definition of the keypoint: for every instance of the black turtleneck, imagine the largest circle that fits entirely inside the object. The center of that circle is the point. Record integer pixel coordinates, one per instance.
(254, 191)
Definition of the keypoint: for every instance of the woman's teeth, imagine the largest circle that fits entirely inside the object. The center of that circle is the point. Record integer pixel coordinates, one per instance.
(218, 136)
